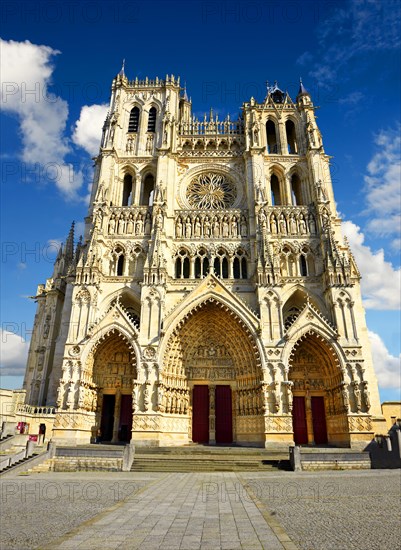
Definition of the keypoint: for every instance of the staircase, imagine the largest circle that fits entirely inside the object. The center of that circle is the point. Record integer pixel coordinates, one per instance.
(198, 458)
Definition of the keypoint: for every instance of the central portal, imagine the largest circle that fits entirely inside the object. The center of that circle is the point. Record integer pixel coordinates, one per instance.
(212, 414)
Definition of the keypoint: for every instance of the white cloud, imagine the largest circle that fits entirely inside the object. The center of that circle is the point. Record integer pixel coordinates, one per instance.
(26, 72)
(381, 282)
(351, 30)
(387, 366)
(383, 185)
(88, 128)
(352, 98)
(14, 353)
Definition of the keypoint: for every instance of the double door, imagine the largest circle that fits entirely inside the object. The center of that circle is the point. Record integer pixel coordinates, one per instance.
(300, 422)
(212, 414)
(109, 428)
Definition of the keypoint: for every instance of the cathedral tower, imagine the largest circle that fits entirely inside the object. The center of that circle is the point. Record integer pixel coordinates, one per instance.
(213, 298)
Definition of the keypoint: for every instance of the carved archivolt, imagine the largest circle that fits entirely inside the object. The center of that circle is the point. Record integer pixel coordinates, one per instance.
(212, 344)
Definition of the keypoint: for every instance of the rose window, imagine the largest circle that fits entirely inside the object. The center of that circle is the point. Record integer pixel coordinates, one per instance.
(211, 191)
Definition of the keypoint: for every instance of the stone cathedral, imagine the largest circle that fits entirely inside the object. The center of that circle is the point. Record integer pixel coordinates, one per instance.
(213, 298)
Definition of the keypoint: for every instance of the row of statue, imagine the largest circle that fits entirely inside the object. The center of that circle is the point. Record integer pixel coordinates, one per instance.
(173, 400)
(248, 402)
(127, 223)
(287, 224)
(360, 399)
(211, 227)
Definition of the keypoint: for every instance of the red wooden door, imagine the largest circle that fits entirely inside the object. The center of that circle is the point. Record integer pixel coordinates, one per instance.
(224, 421)
(299, 421)
(107, 422)
(319, 420)
(125, 427)
(200, 414)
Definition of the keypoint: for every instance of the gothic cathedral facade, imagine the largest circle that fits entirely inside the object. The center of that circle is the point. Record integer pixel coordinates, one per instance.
(213, 298)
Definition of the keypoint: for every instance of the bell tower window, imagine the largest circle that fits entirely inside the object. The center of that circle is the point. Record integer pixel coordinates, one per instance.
(120, 265)
(127, 190)
(271, 138)
(303, 266)
(275, 190)
(291, 137)
(148, 190)
(133, 123)
(296, 191)
(152, 120)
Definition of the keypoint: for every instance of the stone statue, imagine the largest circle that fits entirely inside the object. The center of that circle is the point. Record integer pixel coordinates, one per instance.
(234, 227)
(365, 394)
(188, 228)
(112, 224)
(178, 228)
(148, 224)
(260, 193)
(216, 228)
(302, 225)
(225, 227)
(273, 225)
(357, 396)
(312, 224)
(293, 225)
(206, 227)
(197, 228)
(130, 225)
(283, 225)
(344, 393)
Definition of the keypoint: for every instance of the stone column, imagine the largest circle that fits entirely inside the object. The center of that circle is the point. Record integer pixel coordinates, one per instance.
(117, 409)
(283, 139)
(309, 420)
(212, 416)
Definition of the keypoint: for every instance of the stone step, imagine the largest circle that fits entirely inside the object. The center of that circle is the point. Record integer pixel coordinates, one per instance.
(211, 450)
(194, 466)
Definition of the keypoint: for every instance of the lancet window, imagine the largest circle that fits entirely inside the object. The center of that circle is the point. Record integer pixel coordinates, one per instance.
(127, 190)
(201, 264)
(133, 123)
(182, 265)
(148, 190)
(271, 138)
(152, 119)
(221, 264)
(291, 138)
(296, 191)
(275, 191)
(240, 267)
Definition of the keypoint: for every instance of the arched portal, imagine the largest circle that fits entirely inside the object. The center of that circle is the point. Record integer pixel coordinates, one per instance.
(318, 408)
(113, 374)
(213, 357)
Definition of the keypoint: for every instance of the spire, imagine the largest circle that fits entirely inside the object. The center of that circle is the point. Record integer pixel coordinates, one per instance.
(302, 90)
(69, 245)
(122, 72)
(185, 92)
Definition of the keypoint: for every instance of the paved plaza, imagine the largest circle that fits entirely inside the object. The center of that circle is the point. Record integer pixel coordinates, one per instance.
(275, 510)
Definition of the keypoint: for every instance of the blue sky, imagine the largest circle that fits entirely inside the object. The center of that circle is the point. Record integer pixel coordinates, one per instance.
(58, 61)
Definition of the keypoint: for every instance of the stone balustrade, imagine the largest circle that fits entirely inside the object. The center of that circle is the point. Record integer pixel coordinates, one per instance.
(32, 409)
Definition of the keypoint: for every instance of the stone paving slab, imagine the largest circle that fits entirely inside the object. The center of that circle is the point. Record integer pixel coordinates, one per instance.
(251, 510)
(336, 510)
